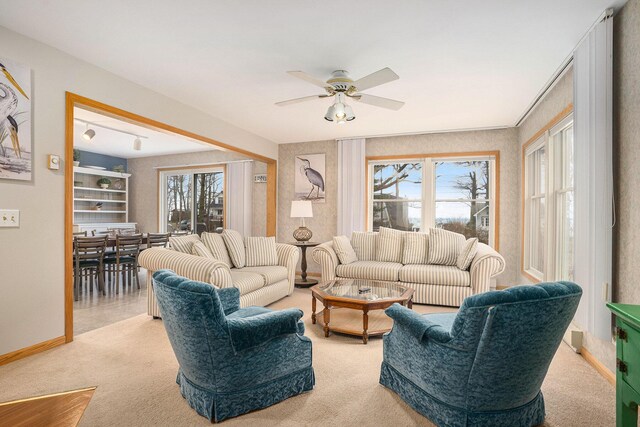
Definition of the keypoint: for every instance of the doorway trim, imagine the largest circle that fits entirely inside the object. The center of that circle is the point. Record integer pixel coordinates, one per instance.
(73, 100)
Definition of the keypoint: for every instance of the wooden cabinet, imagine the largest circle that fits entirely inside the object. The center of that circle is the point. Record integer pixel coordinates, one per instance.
(94, 204)
(627, 363)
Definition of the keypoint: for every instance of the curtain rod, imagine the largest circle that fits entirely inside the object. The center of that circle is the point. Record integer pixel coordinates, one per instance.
(190, 165)
(562, 69)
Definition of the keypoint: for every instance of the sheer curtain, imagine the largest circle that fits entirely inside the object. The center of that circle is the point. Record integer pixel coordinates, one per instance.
(594, 177)
(351, 185)
(238, 197)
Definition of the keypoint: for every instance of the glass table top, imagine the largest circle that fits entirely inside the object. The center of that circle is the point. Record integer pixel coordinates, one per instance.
(365, 290)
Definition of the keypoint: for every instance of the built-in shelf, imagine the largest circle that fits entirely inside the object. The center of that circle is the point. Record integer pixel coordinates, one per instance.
(87, 194)
(80, 199)
(98, 211)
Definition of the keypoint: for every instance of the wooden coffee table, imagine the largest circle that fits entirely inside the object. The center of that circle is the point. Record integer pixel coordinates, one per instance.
(357, 294)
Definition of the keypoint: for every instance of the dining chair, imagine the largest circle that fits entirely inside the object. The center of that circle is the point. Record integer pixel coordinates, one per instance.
(157, 240)
(80, 233)
(88, 262)
(125, 261)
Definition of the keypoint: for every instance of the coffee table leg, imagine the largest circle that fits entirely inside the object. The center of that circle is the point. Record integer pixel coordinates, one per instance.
(327, 318)
(313, 309)
(365, 326)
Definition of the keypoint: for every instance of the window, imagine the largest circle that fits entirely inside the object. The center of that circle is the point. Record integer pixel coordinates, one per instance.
(188, 197)
(548, 204)
(451, 193)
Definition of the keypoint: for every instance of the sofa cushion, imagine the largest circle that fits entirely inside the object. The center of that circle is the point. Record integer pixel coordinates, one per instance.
(183, 243)
(199, 249)
(235, 246)
(389, 246)
(372, 270)
(467, 253)
(364, 244)
(444, 246)
(271, 274)
(215, 243)
(415, 249)
(344, 250)
(246, 281)
(260, 251)
(435, 275)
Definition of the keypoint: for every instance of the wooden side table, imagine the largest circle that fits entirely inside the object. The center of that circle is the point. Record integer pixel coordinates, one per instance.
(304, 283)
(627, 363)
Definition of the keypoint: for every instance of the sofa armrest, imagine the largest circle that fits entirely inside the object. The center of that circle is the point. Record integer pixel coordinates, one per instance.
(190, 266)
(418, 325)
(288, 256)
(486, 264)
(325, 255)
(248, 332)
(230, 299)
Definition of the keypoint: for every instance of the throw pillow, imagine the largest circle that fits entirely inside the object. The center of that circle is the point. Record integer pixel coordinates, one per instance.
(344, 250)
(183, 243)
(444, 246)
(416, 248)
(215, 243)
(199, 249)
(389, 247)
(261, 251)
(467, 254)
(364, 243)
(235, 246)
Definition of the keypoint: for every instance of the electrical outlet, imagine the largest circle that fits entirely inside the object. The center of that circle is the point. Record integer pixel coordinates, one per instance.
(9, 218)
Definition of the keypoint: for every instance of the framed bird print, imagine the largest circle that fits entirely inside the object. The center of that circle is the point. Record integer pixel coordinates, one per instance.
(15, 121)
(309, 177)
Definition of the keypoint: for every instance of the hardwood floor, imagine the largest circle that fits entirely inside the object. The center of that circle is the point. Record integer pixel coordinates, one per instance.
(93, 310)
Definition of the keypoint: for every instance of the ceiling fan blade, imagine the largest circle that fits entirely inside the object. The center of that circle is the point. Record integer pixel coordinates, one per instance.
(296, 100)
(378, 78)
(309, 78)
(378, 101)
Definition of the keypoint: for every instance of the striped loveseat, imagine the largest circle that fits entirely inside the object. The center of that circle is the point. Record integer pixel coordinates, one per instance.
(434, 284)
(258, 285)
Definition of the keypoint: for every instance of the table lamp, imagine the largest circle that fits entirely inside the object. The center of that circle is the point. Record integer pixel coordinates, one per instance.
(302, 209)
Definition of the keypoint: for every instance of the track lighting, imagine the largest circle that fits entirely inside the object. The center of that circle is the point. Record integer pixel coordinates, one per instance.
(89, 134)
(137, 144)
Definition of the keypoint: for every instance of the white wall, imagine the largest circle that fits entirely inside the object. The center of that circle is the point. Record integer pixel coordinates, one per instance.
(32, 256)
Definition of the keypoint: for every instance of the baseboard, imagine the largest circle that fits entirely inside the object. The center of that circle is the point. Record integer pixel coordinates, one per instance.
(598, 366)
(31, 350)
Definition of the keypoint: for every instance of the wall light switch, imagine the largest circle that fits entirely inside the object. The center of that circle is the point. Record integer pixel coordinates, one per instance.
(9, 218)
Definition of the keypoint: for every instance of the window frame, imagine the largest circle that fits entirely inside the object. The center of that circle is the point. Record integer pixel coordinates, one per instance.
(428, 186)
(555, 170)
(164, 173)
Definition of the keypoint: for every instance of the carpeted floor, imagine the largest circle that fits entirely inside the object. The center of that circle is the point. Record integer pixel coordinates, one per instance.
(134, 368)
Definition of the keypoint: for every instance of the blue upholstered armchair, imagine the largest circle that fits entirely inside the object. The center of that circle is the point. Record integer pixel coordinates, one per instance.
(232, 360)
(484, 365)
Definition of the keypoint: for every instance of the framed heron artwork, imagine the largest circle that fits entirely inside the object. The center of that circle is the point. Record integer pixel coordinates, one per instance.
(15, 121)
(309, 177)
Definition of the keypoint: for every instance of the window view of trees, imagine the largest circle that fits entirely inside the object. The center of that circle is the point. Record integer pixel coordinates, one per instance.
(462, 198)
(397, 196)
(458, 191)
(202, 190)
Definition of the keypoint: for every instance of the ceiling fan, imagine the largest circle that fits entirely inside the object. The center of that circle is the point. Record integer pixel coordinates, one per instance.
(341, 86)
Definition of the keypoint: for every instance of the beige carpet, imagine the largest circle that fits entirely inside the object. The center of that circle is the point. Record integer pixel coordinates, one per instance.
(134, 368)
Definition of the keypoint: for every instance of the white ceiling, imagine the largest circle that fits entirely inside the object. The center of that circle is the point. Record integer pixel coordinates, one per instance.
(462, 64)
(114, 143)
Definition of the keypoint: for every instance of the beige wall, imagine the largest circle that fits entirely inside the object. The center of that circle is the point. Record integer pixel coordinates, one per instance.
(32, 256)
(324, 222)
(626, 139)
(143, 186)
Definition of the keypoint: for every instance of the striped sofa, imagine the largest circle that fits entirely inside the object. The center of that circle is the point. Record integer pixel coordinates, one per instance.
(258, 286)
(434, 284)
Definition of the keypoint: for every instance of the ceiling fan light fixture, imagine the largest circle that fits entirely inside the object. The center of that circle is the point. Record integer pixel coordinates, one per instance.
(137, 144)
(349, 113)
(89, 134)
(330, 113)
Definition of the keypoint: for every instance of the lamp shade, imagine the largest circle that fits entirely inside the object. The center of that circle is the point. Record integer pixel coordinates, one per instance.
(301, 209)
